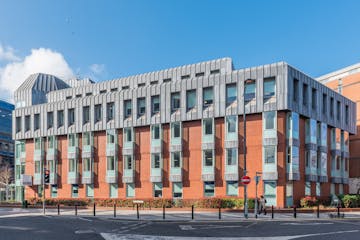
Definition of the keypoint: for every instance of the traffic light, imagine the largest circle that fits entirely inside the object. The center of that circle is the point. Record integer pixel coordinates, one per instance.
(47, 176)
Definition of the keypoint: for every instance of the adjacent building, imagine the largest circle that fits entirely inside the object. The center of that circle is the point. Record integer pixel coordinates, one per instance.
(179, 133)
(346, 81)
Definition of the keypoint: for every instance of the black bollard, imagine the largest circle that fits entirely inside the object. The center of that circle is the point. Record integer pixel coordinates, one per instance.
(192, 212)
(114, 210)
(164, 212)
(294, 212)
(338, 212)
(272, 212)
(318, 211)
(137, 211)
(58, 209)
(219, 212)
(75, 210)
(94, 209)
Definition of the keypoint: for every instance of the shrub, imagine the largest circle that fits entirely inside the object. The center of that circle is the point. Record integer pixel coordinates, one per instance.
(308, 201)
(232, 203)
(350, 201)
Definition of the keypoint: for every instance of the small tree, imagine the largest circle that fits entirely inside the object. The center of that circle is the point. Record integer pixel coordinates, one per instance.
(6, 176)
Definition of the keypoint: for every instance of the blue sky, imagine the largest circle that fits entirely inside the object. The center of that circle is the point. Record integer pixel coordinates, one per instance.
(109, 39)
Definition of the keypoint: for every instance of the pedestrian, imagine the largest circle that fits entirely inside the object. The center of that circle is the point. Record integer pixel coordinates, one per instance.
(262, 205)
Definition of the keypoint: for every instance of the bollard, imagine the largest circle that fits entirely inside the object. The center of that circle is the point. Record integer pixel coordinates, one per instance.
(192, 212)
(272, 211)
(338, 212)
(75, 210)
(114, 210)
(94, 209)
(294, 212)
(137, 211)
(58, 209)
(318, 211)
(164, 212)
(219, 212)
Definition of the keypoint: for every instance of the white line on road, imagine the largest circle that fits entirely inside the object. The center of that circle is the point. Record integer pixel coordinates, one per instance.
(306, 224)
(85, 219)
(84, 231)
(15, 228)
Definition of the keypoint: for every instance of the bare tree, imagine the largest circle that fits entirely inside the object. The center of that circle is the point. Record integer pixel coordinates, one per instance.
(6, 176)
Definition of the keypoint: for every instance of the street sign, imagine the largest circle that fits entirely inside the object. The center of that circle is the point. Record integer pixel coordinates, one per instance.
(245, 180)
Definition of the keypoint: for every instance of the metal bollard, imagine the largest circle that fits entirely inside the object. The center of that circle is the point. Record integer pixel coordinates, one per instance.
(164, 212)
(338, 212)
(272, 211)
(94, 209)
(114, 210)
(219, 212)
(75, 210)
(318, 211)
(137, 211)
(294, 212)
(58, 209)
(192, 212)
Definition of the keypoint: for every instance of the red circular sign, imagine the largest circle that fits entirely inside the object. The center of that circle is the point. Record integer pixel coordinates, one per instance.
(245, 180)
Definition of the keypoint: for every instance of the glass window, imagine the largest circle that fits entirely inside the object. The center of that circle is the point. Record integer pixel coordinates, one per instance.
(127, 108)
(347, 114)
(231, 155)
(175, 101)
(37, 143)
(72, 165)
(175, 157)
(155, 160)
(140, 107)
(51, 165)
(71, 116)
(130, 190)
(305, 94)
(155, 104)
(98, 109)
(74, 190)
(128, 134)
(208, 158)
(250, 88)
(18, 124)
(324, 104)
(51, 142)
(231, 93)
(313, 98)
(36, 121)
(128, 162)
(50, 119)
(110, 163)
(72, 140)
(232, 188)
(307, 159)
(110, 111)
(60, 118)
(86, 114)
(110, 136)
(332, 107)
(209, 189)
(269, 154)
(231, 124)
(208, 96)
(175, 127)
(307, 189)
(37, 167)
(208, 126)
(190, 99)
(269, 118)
(269, 87)
(89, 190)
(296, 90)
(177, 190)
(53, 191)
(155, 130)
(86, 164)
(86, 138)
(338, 110)
(113, 190)
(157, 189)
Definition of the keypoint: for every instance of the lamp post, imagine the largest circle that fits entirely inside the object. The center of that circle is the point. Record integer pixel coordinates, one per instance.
(257, 179)
(244, 141)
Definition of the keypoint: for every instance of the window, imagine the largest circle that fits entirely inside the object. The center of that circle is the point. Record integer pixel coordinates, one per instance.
(175, 101)
(97, 113)
(128, 134)
(231, 94)
(113, 90)
(37, 143)
(51, 142)
(208, 158)
(307, 159)
(175, 160)
(175, 127)
(185, 77)
(72, 140)
(177, 190)
(209, 189)
(269, 87)
(269, 154)
(208, 96)
(250, 88)
(338, 163)
(305, 94)
(130, 190)
(60, 118)
(74, 190)
(89, 190)
(324, 103)
(110, 111)
(157, 189)
(167, 80)
(155, 104)
(155, 160)
(124, 87)
(140, 107)
(72, 165)
(208, 126)
(270, 118)
(71, 116)
(86, 114)
(141, 85)
(102, 91)
(88, 94)
(346, 114)
(27, 123)
(307, 189)
(50, 119)
(18, 124)
(127, 108)
(338, 110)
(154, 82)
(113, 190)
(200, 74)
(288, 154)
(86, 164)
(332, 107)
(232, 188)
(231, 124)
(37, 167)
(68, 97)
(313, 99)
(215, 71)
(128, 162)
(78, 96)
(231, 155)
(110, 136)
(155, 131)
(296, 90)
(110, 163)
(36, 121)
(190, 99)
(53, 191)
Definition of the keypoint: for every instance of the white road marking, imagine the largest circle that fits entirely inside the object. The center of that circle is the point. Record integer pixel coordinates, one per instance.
(111, 236)
(195, 227)
(15, 228)
(84, 231)
(85, 219)
(307, 224)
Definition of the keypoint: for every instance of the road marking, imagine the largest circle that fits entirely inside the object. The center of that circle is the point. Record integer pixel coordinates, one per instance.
(111, 236)
(85, 219)
(195, 227)
(307, 224)
(15, 228)
(84, 231)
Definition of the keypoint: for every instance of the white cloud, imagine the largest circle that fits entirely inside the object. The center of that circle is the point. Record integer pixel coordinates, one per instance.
(8, 54)
(97, 68)
(43, 60)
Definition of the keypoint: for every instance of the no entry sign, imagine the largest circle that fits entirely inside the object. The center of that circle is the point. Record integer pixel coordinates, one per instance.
(245, 180)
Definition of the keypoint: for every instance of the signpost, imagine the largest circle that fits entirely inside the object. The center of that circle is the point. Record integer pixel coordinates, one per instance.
(257, 180)
(245, 180)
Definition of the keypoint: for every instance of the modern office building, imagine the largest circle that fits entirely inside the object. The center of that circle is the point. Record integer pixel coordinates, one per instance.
(179, 133)
(346, 81)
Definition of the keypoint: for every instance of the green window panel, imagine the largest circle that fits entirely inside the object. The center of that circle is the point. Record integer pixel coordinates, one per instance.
(177, 190)
(90, 190)
(130, 190)
(110, 163)
(74, 191)
(318, 189)
(209, 189)
(158, 189)
(113, 190)
(307, 189)
(270, 192)
(232, 188)
(53, 191)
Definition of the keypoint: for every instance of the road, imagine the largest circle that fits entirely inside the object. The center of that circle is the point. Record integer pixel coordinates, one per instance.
(91, 228)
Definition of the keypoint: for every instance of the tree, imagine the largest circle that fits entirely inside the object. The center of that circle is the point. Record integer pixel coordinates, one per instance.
(6, 176)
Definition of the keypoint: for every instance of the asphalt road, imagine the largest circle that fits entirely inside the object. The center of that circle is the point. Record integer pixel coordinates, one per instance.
(90, 228)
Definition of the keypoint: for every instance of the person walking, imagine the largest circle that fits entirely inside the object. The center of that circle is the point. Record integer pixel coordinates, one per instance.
(262, 205)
